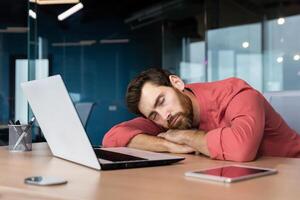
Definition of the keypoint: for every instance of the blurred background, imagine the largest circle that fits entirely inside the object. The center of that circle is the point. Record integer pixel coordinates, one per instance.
(99, 46)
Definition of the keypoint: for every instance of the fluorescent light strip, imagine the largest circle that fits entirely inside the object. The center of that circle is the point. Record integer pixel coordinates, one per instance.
(70, 11)
(32, 14)
(48, 2)
(14, 30)
(114, 41)
(72, 44)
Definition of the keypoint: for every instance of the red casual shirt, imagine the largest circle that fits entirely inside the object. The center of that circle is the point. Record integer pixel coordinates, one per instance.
(239, 124)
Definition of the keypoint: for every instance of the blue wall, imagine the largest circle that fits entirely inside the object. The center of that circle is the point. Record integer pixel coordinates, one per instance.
(101, 72)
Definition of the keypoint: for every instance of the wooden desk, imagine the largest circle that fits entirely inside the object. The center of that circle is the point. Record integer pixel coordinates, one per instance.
(166, 182)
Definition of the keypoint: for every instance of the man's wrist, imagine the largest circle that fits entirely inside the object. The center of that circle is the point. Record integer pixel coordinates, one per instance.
(190, 136)
(195, 139)
(164, 145)
(167, 145)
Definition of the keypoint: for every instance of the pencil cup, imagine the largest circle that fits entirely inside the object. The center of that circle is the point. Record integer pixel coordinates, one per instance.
(20, 138)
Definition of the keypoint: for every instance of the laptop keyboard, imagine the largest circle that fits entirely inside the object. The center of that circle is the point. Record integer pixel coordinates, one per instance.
(114, 156)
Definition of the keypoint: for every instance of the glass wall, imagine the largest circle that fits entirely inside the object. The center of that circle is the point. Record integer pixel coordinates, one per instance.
(236, 52)
(253, 40)
(13, 55)
(101, 47)
(96, 54)
(282, 54)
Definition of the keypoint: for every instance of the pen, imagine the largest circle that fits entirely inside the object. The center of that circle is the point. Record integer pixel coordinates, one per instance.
(24, 133)
(18, 130)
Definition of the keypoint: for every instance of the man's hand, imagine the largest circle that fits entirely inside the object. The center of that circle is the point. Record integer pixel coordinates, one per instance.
(177, 136)
(178, 148)
(193, 138)
(157, 144)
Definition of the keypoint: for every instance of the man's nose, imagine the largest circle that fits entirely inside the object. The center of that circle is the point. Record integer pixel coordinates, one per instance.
(166, 115)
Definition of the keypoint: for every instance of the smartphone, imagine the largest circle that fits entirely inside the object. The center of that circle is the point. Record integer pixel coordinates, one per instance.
(41, 180)
(231, 173)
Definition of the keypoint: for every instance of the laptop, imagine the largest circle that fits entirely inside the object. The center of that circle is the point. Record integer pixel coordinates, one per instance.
(66, 137)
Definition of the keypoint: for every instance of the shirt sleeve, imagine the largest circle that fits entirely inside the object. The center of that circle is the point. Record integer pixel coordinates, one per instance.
(121, 134)
(240, 140)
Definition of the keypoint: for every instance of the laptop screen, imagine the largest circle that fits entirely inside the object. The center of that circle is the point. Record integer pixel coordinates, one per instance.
(114, 156)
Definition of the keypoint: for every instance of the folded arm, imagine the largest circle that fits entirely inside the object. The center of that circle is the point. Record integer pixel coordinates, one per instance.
(240, 140)
(157, 144)
(194, 139)
(141, 133)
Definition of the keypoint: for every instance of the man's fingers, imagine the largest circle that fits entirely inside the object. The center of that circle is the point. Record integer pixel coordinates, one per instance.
(183, 149)
(171, 136)
(167, 137)
(163, 135)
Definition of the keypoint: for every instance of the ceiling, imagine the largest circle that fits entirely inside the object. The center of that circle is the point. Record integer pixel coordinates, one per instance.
(14, 12)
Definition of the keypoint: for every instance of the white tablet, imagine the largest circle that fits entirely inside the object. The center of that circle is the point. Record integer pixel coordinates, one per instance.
(231, 173)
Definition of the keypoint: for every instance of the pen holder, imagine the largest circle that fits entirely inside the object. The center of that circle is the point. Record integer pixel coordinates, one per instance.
(20, 138)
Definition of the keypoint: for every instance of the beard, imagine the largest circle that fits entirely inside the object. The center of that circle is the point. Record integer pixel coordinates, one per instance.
(182, 120)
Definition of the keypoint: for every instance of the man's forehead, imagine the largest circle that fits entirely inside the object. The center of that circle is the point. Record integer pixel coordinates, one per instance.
(150, 87)
(149, 94)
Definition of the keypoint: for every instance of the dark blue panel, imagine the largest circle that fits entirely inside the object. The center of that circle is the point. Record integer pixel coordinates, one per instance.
(100, 72)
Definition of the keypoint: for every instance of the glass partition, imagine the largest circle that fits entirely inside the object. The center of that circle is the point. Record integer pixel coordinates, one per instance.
(98, 49)
(13, 56)
(236, 52)
(255, 41)
(95, 54)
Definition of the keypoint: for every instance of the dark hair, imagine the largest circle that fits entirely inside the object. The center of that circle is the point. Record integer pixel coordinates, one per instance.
(154, 75)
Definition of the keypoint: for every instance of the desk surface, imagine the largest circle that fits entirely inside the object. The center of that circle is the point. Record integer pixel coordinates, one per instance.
(165, 182)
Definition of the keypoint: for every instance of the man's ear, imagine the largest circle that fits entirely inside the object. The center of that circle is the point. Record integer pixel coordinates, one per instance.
(176, 82)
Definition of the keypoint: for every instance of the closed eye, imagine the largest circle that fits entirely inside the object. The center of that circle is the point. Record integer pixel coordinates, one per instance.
(153, 116)
(162, 101)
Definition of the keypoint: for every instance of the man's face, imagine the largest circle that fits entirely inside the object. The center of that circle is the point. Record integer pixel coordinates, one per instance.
(166, 106)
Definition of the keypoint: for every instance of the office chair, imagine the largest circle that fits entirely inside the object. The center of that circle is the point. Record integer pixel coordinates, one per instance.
(84, 110)
(287, 104)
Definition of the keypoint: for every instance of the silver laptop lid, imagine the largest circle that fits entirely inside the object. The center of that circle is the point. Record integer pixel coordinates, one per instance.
(59, 121)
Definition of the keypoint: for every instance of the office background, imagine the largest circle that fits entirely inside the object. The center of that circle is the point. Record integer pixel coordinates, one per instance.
(100, 48)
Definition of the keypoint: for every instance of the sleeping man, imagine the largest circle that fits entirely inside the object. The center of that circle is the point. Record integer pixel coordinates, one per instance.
(225, 120)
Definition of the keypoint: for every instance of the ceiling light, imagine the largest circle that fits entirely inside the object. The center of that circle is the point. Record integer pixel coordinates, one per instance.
(32, 14)
(74, 44)
(296, 57)
(47, 2)
(280, 21)
(114, 41)
(279, 59)
(281, 40)
(245, 45)
(87, 42)
(14, 30)
(70, 11)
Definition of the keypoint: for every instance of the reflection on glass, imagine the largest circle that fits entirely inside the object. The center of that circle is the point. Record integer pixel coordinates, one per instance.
(280, 21)
(228, 58)
(296, 57)
(281, 52)
(192, 68)
(245, 44)
(232, 171)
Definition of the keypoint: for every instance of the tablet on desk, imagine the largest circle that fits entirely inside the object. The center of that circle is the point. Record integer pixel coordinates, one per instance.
(231, 173)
